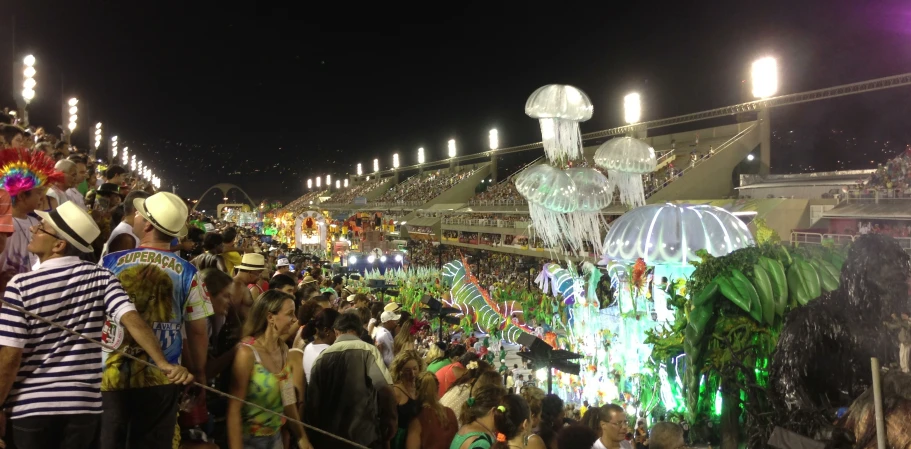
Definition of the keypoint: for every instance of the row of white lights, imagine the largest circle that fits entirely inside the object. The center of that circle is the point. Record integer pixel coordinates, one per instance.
(28, 94)
(371, 259)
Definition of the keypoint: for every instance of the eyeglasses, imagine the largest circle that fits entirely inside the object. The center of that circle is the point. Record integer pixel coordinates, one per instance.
(40, 229)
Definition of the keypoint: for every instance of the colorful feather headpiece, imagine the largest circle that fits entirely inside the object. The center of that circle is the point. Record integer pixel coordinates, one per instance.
(22, 170)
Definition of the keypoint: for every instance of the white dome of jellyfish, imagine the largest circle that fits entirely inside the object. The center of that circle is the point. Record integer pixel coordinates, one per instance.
(559, 108)
(626, 159)
(670, 234)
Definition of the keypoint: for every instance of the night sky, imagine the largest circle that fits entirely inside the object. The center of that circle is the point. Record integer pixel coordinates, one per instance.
(260, 98)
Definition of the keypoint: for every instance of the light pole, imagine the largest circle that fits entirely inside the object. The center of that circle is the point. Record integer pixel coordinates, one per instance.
(309, 184)
(97, 138)
(73, 109)
(328, 181)
(360, 170)
(319, 181)
(113, 149)
(28, 85)
(337, 184)
(493, 138)
(376, 165)
(346, 183)
(126, 157)
(764, 76)
(395, 167)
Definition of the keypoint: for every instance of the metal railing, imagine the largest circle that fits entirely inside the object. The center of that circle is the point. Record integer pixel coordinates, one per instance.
(875, 195)
(700, 161)
(486, 222)
(816, 238)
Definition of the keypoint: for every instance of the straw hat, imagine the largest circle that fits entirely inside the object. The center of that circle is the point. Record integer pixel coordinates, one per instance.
(251, 262)
(72, 224)
(166, 211)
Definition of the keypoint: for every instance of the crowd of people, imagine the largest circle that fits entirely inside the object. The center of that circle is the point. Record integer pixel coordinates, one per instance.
(504, 191)
(894, 175)
(423, 186)
(347, 196)
(304, 201)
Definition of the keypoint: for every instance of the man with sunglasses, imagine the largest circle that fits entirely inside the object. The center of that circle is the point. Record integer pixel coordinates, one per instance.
(53, 388)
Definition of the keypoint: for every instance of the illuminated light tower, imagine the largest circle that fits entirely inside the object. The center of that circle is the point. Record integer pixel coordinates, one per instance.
(421, 155)
(139, 169)
(632, 108)
(376, 165)
(395, 160)
(28, 84)
(452, 153)
(73, 116)
(97, 136)
(113, 148)
(764, 76)
(133, 163)
(338, 184)
(319, 180)
(309, 184)
(328, 181)
(346, 183)
(126, 157)
(493, 138)
(360, 171)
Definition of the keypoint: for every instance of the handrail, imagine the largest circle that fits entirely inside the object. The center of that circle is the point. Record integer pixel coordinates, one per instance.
(699, 161)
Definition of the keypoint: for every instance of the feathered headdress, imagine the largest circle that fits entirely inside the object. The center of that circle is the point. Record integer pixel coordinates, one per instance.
(22, 170)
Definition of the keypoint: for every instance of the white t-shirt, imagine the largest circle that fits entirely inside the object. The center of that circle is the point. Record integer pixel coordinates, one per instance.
(58, 194)
(311, 352)
(76, 197)
(385, 343)
(623, 445)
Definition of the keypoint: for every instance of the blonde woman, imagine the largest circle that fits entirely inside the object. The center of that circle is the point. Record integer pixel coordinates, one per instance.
(262, 375)
(435, 425)
(404, 371)
(533, 397)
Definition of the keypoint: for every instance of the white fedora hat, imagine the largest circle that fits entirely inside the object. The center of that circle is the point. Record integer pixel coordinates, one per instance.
(166, 211)
(72, 224)
(251, 262)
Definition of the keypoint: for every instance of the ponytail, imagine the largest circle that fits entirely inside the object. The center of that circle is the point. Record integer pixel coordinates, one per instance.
(508, 417)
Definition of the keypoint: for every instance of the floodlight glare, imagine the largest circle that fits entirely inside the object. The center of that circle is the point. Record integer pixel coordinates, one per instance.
(764, 75)
(632, 108)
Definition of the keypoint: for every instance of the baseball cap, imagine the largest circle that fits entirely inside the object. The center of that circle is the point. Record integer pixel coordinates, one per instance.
(389, 316)
(282, 262)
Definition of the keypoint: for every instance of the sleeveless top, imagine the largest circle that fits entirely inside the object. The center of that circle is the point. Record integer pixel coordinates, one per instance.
(483, 441)
(121, 228)
(264, 390)
(408, 411)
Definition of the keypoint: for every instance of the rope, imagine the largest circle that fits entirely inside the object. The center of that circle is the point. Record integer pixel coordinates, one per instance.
(205, 387)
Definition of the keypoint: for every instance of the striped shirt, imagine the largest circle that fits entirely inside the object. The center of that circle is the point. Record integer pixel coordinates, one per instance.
(60, 373)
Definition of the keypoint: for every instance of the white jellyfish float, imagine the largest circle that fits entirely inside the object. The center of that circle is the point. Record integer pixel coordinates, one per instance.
(594, 193)
(626, 159)
(551, 194)
(559, 108)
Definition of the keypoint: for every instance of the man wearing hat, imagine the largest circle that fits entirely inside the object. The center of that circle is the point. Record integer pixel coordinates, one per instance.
(282, 266)
(246, 274)
(52, 389)
(385, 341)
(139, 405)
